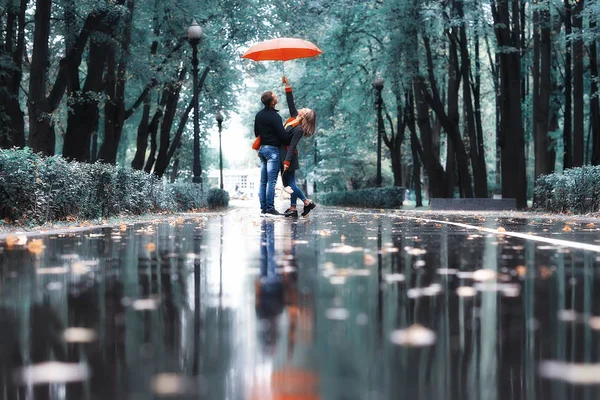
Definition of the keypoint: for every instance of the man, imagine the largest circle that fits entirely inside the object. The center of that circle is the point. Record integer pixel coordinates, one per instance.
(268, 125)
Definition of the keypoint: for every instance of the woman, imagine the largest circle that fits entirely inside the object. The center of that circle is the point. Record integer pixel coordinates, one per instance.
(301, 123)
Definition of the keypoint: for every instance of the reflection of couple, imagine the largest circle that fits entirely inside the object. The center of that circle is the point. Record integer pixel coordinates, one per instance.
(278, 151)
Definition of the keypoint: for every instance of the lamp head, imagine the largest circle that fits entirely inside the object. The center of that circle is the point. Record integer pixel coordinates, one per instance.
(378, 83)
(194, 31)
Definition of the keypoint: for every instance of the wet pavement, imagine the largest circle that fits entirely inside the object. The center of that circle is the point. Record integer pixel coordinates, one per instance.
(340, 305)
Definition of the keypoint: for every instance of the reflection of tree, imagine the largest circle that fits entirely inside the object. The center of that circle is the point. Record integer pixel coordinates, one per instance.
(10, 355)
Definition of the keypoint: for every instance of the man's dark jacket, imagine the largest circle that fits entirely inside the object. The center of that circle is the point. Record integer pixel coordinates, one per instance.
(268, 125)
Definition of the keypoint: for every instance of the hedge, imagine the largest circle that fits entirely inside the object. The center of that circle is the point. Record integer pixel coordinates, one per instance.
(576, 190)
(386, 197)
(36, 189)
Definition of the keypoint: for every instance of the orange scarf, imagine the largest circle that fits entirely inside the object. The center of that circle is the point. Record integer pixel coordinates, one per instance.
(290, 123)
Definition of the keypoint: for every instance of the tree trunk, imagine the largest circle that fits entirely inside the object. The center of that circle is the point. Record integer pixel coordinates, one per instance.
(514, 180)
(142, 135)
(454, 116)
(41, 130)
(578, 89)
(414, 146)
(594, 93)
(477, 160)
(115, 106)
(568, 116)
(478, 120)
(183, 120)
(451, 127)
(167, 124)
(435, 171)
(541, 88)
(84, 113)
(153, 130)
(12, 130)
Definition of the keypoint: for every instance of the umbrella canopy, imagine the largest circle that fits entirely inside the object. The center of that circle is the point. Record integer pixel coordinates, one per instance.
(282, 49)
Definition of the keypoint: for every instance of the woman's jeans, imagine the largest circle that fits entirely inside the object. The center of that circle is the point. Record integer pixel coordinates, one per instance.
(289, 179)
(269, 160)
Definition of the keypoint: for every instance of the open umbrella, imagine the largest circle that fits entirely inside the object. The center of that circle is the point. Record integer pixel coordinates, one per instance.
(282, 49)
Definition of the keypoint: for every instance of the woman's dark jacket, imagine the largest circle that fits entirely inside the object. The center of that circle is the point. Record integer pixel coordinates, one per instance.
(289, 154)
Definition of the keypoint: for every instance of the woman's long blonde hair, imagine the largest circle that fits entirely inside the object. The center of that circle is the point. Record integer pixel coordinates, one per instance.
(309, 121)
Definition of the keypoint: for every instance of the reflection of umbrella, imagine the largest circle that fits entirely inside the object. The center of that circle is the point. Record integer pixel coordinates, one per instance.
(282, 49)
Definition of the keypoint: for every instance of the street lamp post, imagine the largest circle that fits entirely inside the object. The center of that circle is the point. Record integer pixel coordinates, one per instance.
(378, 85)
(194, 35)
(220, 123)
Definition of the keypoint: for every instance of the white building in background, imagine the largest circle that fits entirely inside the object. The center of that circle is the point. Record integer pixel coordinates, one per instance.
(240, 181)
(243, 182)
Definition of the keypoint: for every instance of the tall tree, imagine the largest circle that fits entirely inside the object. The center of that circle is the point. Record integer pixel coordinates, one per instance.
(507, 29)
(12, 47)
(594, 92)
(578, 88)
(541, 86)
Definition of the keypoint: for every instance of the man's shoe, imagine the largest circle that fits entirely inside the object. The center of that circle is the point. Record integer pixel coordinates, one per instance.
(262, 213)
(291, 213)
(273, 213)
(307, 208)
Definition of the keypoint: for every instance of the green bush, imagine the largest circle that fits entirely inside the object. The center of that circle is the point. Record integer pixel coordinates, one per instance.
(35, 189)
(386, 197)
(576, 190)
(217, 198)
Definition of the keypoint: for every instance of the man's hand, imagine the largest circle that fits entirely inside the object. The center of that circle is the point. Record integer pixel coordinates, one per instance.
(285, 167)
(285, 81)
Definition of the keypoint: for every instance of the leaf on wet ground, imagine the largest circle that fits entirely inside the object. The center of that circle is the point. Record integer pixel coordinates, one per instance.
(170, 384)
(466, 291)
(52, 372)
(36, 246)
(582, 374)
(150, 247)
(337, 314)
(79, 335)
(567, 228)
(414, 336)
(483, 275)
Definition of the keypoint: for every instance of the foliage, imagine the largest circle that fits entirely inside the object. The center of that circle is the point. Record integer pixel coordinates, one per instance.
(35, 189)
(386, 197)
(217, 198)
(576, 190)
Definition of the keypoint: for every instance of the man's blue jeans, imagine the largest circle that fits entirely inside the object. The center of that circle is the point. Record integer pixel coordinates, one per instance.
(269, 160)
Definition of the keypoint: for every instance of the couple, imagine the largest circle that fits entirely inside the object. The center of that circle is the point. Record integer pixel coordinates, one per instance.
(278, 143)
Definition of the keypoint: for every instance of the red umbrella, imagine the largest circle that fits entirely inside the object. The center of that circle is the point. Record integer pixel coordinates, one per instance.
(282, 49)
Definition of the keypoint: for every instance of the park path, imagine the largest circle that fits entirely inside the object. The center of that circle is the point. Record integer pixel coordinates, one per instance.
(344, 304)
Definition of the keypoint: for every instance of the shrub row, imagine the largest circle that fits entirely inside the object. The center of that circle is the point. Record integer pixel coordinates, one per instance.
(386, 197)
(576, 190)
(35, 189)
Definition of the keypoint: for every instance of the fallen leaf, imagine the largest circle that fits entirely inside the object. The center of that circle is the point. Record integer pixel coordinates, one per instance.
(369, 260)
(466, 291)
(521, 270)
(567, 228)
(36, 246)
(545, 272)
(500, 229)
(122, 227)
(590, 225)
(483, 275)
(11, 241)
(151, 247)
(414, 336)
